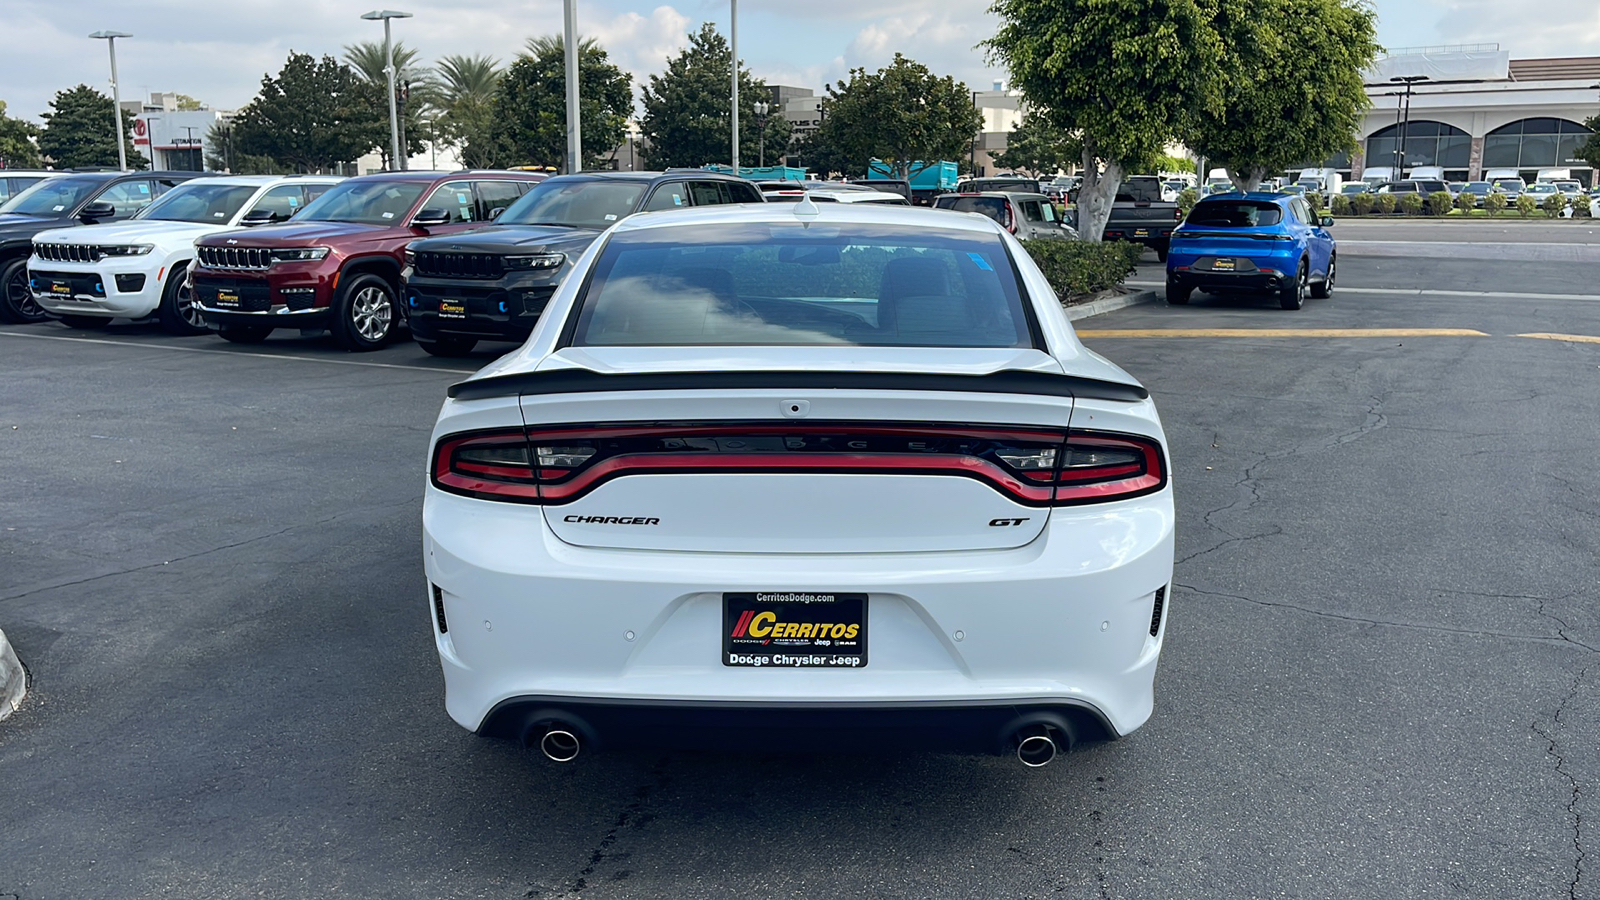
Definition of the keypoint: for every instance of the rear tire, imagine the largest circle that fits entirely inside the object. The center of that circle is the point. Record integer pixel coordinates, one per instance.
(447, 346)
(17, 306)
(85, 321)
(1293, 295)
(244, 334)
(365, 315)
(178, 312)
(1161, 252)
(1324, 290)
(1178, 294)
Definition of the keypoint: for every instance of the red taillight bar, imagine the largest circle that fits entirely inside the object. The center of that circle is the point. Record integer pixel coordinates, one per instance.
(1063, 485)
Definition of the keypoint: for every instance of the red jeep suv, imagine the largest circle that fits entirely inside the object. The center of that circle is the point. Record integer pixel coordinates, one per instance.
(337, 264)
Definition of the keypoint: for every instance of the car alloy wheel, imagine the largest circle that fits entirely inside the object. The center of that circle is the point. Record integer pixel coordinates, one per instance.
(178, 312)
(18, 305)
(1325, 289)
(1293, 296)
(372, 312)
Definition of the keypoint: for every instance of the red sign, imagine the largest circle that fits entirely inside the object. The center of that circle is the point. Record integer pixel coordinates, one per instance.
(138, 127)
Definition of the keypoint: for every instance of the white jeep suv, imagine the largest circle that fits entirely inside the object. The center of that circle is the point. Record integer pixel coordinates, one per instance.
(88, 275)
(766, 475)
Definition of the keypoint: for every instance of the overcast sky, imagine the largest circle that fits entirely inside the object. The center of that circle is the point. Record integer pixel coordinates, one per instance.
(218, 50)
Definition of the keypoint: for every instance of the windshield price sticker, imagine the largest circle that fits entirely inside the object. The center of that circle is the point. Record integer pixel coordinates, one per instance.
(794, 630)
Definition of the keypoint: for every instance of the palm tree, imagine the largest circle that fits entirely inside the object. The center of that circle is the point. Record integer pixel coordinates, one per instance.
(366, 58)
(466, 79)
(554, 44)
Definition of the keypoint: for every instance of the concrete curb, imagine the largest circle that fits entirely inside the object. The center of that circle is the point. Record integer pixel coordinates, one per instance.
(13, 681)
(1107, 304)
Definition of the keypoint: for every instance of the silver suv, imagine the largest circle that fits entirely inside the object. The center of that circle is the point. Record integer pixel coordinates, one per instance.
(1026, 215)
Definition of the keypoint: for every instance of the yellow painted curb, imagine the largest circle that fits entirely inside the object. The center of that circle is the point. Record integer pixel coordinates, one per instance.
(1576, 338)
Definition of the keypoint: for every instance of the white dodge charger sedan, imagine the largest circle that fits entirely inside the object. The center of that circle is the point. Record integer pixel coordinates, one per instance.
(794, 476)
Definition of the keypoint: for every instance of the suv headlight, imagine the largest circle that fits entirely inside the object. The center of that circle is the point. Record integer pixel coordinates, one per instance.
(128, 250)
(298, 254)
(536, 261)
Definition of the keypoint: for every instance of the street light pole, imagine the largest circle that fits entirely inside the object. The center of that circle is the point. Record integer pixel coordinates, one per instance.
(761, 107)
(110, 37)
(1405, 124)
(569, 13)
(388, 74)
(733, 28)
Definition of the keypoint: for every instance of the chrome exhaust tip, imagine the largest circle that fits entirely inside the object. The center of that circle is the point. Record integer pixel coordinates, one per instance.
(1036, 750)
(562, 746)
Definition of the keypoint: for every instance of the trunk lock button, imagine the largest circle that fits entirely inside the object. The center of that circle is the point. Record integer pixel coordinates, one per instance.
(795, 409)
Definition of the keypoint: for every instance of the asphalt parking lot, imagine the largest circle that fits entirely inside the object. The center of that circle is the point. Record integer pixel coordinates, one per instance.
(1376, 682)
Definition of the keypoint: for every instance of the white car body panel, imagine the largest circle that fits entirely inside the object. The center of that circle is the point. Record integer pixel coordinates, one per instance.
(1055, 608)
(172, 252)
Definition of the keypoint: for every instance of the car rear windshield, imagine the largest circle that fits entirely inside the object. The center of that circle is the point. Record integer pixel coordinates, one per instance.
(1515, 183)
(52, 197)
(1235, 214)
(993, 207)
(197, 201)
(365, 203)
(596, 203)
(803, 284)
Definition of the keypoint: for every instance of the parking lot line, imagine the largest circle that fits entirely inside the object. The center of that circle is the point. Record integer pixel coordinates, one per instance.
(1424, 292)
(1576, 338)
(315, 359)
(1278, 332)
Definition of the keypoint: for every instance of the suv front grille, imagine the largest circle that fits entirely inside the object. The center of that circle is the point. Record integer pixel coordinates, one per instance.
(458, 265)
(235, 257)
(69, 252)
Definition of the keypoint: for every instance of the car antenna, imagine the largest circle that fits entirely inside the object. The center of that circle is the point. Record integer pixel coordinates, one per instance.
(805, 207)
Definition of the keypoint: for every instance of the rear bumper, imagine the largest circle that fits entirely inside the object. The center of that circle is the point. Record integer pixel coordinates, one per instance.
(1154, 235)
(975, 727)
(629, 641)
(1224, 282)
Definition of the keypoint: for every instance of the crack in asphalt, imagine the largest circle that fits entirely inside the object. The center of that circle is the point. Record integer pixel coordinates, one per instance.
(1375, 420)
(632, 814)
(1577, 789)
(157, 565)
(1559, 640)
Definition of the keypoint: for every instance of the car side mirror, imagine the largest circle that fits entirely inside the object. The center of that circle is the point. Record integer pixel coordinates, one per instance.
(431, 218)
(1327, 221)
(495, 213)
(98, 211)
(260, 217)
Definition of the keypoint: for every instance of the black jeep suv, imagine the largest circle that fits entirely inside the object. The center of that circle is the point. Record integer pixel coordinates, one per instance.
(71, 198)
(493, 283)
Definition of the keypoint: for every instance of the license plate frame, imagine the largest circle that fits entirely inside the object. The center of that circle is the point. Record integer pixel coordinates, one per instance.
(1224, 264)
(61, 289)
(1141, 232)
(225, 297)
(752, 621)
(450, 308)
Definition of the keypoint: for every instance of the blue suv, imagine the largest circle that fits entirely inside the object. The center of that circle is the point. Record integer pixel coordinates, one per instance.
(1252, 243)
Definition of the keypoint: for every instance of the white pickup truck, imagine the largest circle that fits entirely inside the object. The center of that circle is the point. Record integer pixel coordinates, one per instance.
(88, 275)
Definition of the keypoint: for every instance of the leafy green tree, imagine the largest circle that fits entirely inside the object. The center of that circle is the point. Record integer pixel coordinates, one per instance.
(223, 156)
(1039, 148)
(1126, 76)
(465, 89)
(313, 116)
(79, 131)
(529, 113)
(1590, 151)
(187, 103)
(1175, 164)
(817, 155)
(1292, 85)
(902, 114)
(687, 111)
(17, 150)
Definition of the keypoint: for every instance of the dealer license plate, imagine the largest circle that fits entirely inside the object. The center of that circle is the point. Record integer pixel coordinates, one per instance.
(452, 309)
(227, 298)
(60, 287)
(794, 630)
(1141, 232)
(1222, 265)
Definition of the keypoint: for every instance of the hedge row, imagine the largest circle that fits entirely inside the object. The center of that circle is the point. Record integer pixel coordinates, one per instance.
(1440, 203)
(1075, 268)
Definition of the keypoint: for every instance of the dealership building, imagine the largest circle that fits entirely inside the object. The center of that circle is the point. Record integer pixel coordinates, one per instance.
(1473, 110)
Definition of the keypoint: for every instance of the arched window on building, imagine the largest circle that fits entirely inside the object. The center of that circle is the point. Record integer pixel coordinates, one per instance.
(1529, 145)
(1427, 144)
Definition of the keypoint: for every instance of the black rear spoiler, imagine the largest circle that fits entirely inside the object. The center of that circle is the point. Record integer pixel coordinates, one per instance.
(579, 381)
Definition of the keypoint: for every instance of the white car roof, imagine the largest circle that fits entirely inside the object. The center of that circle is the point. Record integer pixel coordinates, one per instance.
(867, 196)
(766, 213)
(255, 180)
